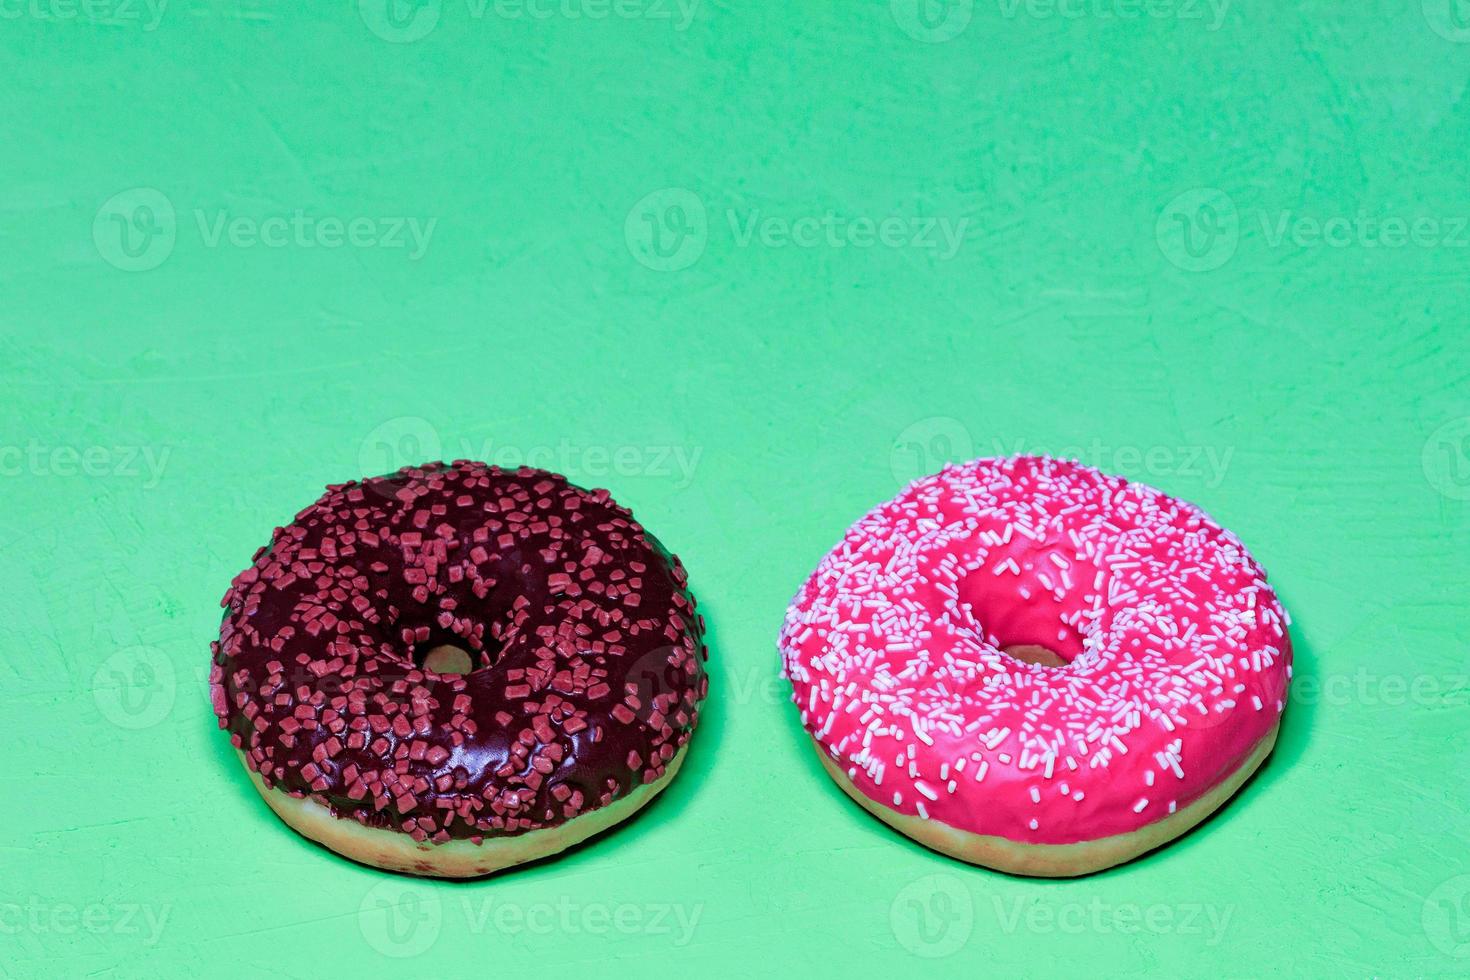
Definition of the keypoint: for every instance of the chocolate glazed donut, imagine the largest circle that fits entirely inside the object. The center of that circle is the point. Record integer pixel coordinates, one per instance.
(458, 668)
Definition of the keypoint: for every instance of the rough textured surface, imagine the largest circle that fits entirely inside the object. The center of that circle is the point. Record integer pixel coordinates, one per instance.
(1310, 397)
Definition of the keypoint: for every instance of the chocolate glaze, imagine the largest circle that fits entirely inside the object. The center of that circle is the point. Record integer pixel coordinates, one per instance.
(589, 650)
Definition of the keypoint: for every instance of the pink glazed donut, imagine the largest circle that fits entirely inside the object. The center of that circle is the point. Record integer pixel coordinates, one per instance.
(1029, 665)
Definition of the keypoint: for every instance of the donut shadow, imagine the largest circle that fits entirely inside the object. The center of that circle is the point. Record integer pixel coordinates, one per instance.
(670, 802)
(228, 765)
(1299, 718)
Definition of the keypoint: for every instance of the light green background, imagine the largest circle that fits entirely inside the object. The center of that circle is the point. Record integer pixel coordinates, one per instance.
(1137, 281)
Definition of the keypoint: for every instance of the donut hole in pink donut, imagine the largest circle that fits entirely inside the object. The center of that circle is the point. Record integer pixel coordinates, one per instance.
(1029, 610)
(1034, 653)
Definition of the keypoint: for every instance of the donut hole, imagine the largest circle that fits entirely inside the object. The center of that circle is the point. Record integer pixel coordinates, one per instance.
(1025, 602)
(449, 654)
(446, 658)
(444, 651)
(1034, 653)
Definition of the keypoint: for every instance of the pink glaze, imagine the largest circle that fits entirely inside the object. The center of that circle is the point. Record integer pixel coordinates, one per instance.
(1177, 653)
